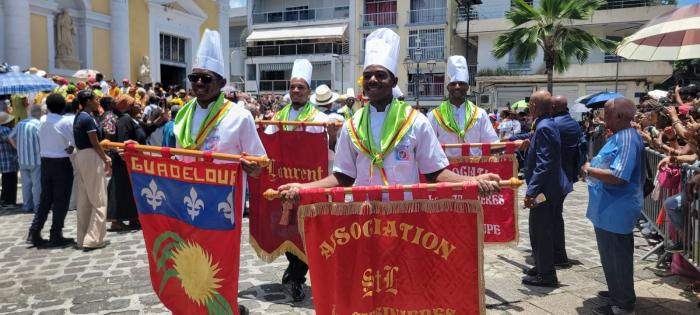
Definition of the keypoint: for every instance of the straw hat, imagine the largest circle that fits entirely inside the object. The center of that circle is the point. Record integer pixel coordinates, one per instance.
(323, 96)
(35, 71)
(5, 118)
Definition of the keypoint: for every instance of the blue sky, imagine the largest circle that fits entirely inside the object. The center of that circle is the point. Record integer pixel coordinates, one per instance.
(680, 2)
(242, 3)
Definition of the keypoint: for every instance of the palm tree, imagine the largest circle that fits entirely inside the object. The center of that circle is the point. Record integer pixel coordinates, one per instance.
(549, 28)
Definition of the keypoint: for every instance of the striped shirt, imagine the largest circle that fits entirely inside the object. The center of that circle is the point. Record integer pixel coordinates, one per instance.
(26, 137)
(8, 154)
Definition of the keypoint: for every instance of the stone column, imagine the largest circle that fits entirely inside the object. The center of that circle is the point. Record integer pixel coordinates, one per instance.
(119, 40)
(18, 49)
(224, 9)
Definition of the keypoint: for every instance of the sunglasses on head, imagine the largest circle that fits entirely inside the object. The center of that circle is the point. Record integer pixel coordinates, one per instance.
(205, 78)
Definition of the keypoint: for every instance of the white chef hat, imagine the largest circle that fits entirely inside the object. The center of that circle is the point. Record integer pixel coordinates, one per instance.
(382, 48)
(457, 69)
(396, 92)
(209, 55)
(302, 70)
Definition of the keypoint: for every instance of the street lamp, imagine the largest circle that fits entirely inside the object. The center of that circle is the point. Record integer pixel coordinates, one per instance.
(417, 56)
(467, 5)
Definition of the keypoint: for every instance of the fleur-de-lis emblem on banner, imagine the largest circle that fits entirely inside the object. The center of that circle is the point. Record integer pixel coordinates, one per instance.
(227, 207)
(154, 197)
(193, 203)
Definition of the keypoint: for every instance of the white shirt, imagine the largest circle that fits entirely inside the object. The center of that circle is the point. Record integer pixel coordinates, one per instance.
(55, 135)
(293, 114)
(481, 132)
(418, 152)
(509, 128)
(234, 134)
(104, 86)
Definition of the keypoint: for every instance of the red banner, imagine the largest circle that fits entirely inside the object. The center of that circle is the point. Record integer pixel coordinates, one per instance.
(295, 157)
(500, 209)
(191, 219)
(397, 257)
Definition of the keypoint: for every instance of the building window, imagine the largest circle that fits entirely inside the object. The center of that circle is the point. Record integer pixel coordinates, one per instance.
(379, 12)
(431, 42)
(428, 12)
(362, 48)
(250, 73)
(514, 65)
(431, 84)
(300, 13)
(172, 49)
(612, 57)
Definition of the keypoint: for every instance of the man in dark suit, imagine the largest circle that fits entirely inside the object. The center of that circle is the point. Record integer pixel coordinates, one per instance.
(544, 178)
(571, 162)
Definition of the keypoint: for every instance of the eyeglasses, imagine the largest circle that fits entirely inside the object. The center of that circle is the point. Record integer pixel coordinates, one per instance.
(205, 78)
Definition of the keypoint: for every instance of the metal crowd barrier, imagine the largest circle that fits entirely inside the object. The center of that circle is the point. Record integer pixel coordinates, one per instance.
(690, 235)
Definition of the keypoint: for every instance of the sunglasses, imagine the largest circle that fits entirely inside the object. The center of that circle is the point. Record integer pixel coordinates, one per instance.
(205, 78)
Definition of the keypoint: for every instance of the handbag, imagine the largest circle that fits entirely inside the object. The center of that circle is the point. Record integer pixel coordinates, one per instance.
(648, 181)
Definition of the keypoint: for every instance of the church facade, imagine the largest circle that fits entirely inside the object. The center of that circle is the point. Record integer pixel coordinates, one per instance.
(147, 40)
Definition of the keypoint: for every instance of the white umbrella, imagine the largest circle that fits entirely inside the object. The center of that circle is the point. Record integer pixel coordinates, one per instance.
(579, 108)
(657, 94)
(85, 73)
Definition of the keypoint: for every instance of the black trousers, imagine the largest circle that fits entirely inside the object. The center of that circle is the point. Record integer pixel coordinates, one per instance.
(297, 269)
(9, 188)
(541, 226)
(559, 235)
(56, 185)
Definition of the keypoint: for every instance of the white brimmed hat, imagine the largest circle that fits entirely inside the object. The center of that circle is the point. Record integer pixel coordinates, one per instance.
(5, 118)
(323, 96)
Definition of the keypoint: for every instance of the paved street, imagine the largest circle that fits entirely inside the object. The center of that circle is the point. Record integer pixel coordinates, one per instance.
(115, 280)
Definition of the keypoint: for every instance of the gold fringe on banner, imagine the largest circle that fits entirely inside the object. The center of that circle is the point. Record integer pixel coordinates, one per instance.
(268, 257)
(406, 206)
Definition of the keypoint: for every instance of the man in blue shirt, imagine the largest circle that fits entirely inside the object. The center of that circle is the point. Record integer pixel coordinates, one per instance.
(25, 138)
(615, 179)
(544, 178)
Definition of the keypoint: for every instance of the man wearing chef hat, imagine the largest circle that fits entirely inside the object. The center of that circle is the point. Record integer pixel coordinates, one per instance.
(457, 120)
(364, 156)
(234, 132)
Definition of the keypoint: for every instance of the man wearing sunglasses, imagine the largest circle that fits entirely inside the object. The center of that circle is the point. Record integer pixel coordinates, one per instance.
(209, 122)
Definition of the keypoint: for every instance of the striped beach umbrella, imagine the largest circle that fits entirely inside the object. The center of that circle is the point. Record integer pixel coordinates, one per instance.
(674, 35)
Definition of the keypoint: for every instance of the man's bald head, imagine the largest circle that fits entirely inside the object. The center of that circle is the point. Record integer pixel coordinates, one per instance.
(540, 103)
(560, 104)
(619, 113)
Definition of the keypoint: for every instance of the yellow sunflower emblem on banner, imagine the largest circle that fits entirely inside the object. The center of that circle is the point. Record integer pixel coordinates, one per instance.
(195, 269)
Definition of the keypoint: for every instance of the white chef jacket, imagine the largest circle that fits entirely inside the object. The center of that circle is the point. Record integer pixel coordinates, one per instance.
(418, 152)
(293, 114)
(481, 132)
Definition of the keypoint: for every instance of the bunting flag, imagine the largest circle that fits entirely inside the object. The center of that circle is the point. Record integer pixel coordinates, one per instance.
(295, 157)
(394, 257)
(500, 209)
(191, 219)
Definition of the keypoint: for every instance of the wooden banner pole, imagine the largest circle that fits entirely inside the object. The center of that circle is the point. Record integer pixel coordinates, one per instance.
(271, 194)
(262, 160)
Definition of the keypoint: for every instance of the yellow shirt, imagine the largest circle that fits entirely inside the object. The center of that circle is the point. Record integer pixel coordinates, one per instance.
(115, 92)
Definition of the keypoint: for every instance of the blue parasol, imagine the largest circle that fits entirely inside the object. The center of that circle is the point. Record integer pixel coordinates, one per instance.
(597, 100)
(18, 82)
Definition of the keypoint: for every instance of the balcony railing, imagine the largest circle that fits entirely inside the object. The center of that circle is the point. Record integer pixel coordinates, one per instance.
(519, 67)
(379, 19)
(613, 59)
(302, 15)
(621, 4)
(298, 49)
(428, 16)
(473, 14)
(427, 89)
(428, 53)
(283, 85)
